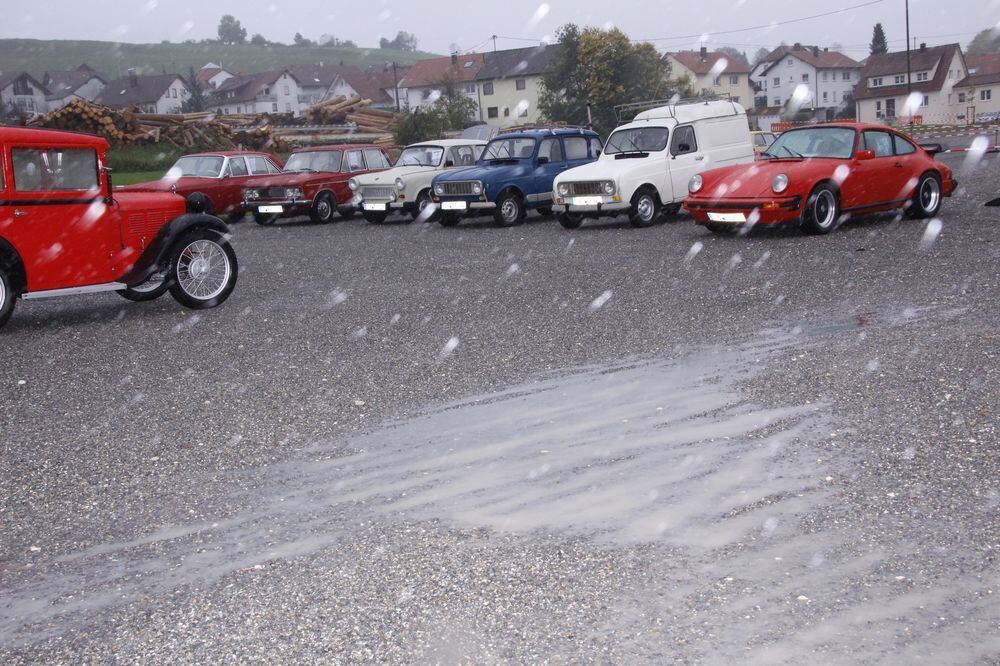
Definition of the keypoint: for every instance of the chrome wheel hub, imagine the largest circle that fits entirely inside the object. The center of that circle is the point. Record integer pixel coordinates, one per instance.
(824, 209)
(645, 209)
(3, 294)
(323, 208)
(203, 270)
(509, 210)
(930, 194)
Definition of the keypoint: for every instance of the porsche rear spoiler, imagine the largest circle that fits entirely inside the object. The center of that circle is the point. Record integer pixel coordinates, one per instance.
(932, 148)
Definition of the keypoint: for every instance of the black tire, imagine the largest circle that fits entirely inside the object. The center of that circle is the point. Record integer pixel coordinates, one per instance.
(645, 209)
(423, 201)
(926, 201)
(265, 219)
(199, 203)
(375, 217)
(323, 208)
(510, 210)
(723, 229)
(822, 210)
(148, 291)
(545, 211)
(182, 277)
(7, 296)
(570, 220)
(449, 219)
(347, 212)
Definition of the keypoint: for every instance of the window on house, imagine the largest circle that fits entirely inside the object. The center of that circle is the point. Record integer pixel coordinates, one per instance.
(777, 82)
(926, 101)
(274, 107)
(985, 95)
(520, 84)
(825, 96)
(790, 62)
(288, 106)
(22, 87)
(899, 79)
(286, 90)
(876, 82)
(847, 76)
(488, 88)
(267, 90)
(493, 112)
(961, 98)
(825, 75)
(921, 76)
(734, 80)
(522, 112)
(470, 88)
(777, 101)
(805, 78)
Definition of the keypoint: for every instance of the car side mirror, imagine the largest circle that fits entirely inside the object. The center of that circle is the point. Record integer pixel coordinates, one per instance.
(864, 155)
(543, 160)
(449, 163)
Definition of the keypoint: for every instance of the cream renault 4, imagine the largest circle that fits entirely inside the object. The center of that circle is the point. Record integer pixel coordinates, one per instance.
(647, 163)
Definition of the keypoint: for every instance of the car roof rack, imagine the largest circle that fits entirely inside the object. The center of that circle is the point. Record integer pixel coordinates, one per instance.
(551, 127)
(627, 112)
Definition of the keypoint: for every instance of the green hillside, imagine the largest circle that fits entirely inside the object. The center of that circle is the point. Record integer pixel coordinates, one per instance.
(113, 59)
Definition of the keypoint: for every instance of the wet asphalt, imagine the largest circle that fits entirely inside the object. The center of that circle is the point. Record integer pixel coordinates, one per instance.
(405, 443)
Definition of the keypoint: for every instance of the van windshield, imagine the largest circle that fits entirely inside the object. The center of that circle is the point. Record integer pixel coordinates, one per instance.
(637, 139)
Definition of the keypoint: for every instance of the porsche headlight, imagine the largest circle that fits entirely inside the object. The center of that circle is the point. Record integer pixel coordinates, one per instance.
(564, 189)
(609, 187)
(780, 183)
(694, 185)
(477, 188)
(353, 184)
(400, 185)
(439, 189)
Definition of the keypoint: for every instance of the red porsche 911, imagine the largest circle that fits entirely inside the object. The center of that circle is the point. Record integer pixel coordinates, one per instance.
(819, 176)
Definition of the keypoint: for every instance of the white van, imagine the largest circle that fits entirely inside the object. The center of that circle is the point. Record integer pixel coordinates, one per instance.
(647, 163)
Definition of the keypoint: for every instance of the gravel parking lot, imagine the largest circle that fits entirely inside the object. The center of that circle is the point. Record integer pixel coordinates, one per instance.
(406, 443)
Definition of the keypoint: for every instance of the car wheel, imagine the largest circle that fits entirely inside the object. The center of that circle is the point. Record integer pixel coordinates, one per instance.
(265, 219)
(645, 209)
(449, 219)
(822, 212)
(149, 290)
(203, 270)
(724, 229)
(375, 217)
(7, 296)
(510, 210)
(926, 200)
(347, 212)
(322, 209)
(570, 220)
(423, 201)
(199, 203)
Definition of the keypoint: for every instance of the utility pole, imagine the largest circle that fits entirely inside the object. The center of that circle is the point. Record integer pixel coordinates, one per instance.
(494, 38)
(395, 85)
(909, 76)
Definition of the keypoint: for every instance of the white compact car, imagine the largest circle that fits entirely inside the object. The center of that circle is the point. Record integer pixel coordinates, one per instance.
(407, 186)
(647, 163)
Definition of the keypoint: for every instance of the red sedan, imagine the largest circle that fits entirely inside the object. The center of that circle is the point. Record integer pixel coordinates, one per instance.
(213, 183)
(818, 176)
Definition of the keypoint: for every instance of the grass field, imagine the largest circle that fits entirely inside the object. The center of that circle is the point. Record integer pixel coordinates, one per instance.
(136, 177)
(113, 59)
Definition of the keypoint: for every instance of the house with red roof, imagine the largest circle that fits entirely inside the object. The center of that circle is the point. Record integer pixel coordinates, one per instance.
(927, 92)
(803, 78)
(276, 91)
(366, 84)
(421, 86)
(713, 73)
(211, 76)
(977, 96)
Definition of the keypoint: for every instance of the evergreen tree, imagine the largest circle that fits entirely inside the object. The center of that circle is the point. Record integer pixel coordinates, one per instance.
(879, 43)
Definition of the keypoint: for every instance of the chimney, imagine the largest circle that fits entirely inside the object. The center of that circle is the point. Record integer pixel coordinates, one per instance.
(454, 58)
(815, 52)
(923, 47)
(133, 78)
(704, 54)
(826, 49)
(797, 46)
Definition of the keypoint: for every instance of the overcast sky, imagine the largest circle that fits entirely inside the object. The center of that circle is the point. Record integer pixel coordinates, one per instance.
(470, 23)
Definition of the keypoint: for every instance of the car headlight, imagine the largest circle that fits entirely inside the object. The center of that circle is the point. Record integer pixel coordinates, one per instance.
(439, 189)
(780, 183)
(400, 185)
(609, 187)
(695, 183)
(250, 195)
(564, 189)
(293, 193)
(477, 188)
(353, 184)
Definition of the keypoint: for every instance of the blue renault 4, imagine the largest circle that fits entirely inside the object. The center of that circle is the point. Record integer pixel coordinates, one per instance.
(514, 175)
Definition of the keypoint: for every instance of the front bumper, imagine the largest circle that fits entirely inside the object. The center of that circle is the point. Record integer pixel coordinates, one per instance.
(450, 205)
(288, 205)
(613, 207)
(768, 211)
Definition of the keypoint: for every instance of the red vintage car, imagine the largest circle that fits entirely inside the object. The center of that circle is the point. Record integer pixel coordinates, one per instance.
(213, 183)
(314, 182)
(64, 231)
(818, 176)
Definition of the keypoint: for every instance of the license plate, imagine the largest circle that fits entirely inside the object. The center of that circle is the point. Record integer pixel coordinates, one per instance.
(727, 217)
(375, 206)
(586, 201)
(454, 205)
(271, 209)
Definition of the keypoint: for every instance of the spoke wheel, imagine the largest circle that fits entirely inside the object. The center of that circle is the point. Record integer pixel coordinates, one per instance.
(204, 270)
(149, 290)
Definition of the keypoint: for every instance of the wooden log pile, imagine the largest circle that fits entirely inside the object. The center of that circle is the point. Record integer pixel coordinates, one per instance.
(354, 110)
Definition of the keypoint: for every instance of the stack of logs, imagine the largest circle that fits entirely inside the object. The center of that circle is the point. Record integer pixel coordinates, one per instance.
(199, 131)
(355, 110)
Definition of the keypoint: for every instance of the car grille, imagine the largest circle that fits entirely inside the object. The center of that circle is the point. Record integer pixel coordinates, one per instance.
(458, 189)
(273, 192)
(586, 189)
(378, 193)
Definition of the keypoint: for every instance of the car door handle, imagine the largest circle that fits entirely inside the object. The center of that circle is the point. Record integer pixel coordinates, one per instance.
(20, 213)
(899, 165)
(700, 158)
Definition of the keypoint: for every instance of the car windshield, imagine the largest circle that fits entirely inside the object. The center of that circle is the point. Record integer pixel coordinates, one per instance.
(637, 139)
(823, 142)
(509, 149)
(314, 160)
(203, 166)
(421, 156)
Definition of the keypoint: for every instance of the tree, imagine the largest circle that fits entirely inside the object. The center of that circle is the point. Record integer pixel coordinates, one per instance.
(879, 43)
(299, 40)
(987, 41)
(230, 31)
(258, 40)
(453, 110)
(196, 102)
(734, 55)
(605, 68)
(760, 55)
(403, 41)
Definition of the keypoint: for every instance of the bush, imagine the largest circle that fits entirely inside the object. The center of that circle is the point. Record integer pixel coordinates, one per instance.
(129, 159)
